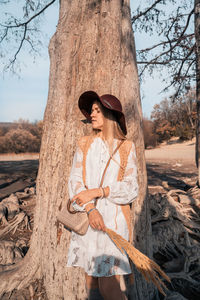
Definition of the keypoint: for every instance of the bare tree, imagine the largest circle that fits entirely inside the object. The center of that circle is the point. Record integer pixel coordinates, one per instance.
(175, 117)
(177, 50)
(19, 32)
(92, 49)
(171, 22)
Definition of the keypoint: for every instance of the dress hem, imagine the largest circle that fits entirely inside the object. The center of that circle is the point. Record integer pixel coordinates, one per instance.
(96, 275)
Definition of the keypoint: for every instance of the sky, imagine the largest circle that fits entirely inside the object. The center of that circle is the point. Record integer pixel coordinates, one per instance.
(25, 95)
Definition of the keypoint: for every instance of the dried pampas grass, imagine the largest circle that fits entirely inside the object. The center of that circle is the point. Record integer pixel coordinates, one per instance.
(147, 267)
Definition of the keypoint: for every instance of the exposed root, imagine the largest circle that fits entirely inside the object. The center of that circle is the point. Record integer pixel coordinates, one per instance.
(19, 275)
(176, 236)
(15, 271)
(14, 224)
(9, 253)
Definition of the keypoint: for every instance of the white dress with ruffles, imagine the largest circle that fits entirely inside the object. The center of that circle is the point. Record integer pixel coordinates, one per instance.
(95, 252)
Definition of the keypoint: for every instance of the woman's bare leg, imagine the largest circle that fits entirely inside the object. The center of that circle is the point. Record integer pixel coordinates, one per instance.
(91, 282)
(110, 288)
(92, 287)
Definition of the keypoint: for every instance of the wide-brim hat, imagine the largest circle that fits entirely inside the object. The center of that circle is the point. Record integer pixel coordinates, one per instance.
(109, 101)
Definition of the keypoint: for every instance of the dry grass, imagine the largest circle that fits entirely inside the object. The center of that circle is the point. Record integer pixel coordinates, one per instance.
(147, 267)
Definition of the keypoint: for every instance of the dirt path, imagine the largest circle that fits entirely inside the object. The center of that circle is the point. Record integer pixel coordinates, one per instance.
(173, 152)
(173, 163)
(18, 157)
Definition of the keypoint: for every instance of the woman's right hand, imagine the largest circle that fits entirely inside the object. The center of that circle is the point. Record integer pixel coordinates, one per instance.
(96, 220)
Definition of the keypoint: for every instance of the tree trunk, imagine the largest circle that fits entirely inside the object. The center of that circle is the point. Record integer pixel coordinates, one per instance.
(197, 37)
(92, 49)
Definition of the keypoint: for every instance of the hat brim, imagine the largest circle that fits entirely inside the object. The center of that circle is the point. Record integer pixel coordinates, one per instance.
(85, 105)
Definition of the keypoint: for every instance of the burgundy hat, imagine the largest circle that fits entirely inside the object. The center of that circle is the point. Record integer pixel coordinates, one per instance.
(109, 101)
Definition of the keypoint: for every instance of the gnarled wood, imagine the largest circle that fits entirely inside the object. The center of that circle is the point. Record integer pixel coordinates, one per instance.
(197, 38)
(176, 239)
(92, 49)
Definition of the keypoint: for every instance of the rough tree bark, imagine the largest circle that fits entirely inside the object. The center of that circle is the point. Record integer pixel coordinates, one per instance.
(197, 38)
(92, 49)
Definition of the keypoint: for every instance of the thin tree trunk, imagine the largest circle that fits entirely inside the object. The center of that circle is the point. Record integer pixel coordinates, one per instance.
(92, 49)
(197, 37)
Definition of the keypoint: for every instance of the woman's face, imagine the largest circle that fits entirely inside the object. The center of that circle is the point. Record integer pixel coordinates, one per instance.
(97, 116)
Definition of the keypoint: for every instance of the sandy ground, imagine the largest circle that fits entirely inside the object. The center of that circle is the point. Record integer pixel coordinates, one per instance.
(171, 162)
(17, 157)
(173, 151)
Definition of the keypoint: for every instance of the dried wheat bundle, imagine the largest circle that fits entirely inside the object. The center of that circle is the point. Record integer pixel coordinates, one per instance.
(147, 267)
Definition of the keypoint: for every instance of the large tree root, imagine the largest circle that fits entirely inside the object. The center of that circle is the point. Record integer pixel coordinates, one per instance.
(18, 272)
(19, 275)
(19, 218)
(9, 207)
(176, 238)
(9, 253)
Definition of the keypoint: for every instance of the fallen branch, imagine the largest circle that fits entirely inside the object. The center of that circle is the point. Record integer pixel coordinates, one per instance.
(14, 223)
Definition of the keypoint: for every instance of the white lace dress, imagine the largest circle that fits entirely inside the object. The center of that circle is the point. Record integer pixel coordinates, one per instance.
(94, 251)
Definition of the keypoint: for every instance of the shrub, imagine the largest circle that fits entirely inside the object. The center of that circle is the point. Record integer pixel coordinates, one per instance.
(19, 140)
(20, 136)
(175, 117)
(185, 132)
(3, 147)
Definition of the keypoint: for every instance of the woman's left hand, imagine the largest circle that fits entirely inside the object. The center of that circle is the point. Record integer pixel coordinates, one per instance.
(86, 196)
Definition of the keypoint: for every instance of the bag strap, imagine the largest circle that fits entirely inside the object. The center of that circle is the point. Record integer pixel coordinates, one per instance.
(106, 167)
(68, 208)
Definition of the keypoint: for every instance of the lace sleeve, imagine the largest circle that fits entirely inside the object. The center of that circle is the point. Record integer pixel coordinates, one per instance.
(75, 183)
(126, 191)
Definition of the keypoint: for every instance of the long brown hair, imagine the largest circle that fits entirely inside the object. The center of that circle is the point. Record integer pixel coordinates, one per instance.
(111, 129)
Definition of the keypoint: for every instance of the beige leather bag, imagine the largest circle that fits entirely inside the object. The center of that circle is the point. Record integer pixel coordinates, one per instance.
(73, 220)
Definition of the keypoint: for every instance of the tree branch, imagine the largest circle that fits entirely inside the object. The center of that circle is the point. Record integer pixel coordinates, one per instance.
(165, 62)
(29, 20)
(14, 23)
(184, 60)
(178, 40)
(19, 48)
(165, 43)
(176, 48)
(5, 34)
(143, 13)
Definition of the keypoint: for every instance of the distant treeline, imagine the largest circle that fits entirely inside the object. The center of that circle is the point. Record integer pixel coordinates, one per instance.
(171, 118)
(174, 117)
(20, 136)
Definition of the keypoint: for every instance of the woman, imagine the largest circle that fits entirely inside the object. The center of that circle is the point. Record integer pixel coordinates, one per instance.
(95, 252)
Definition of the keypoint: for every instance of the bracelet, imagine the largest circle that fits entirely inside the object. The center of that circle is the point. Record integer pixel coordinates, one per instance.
(89, 211)
(102, 193)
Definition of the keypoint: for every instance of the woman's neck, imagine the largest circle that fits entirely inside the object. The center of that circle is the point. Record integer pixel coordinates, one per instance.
(105, 137)
(108, 139)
